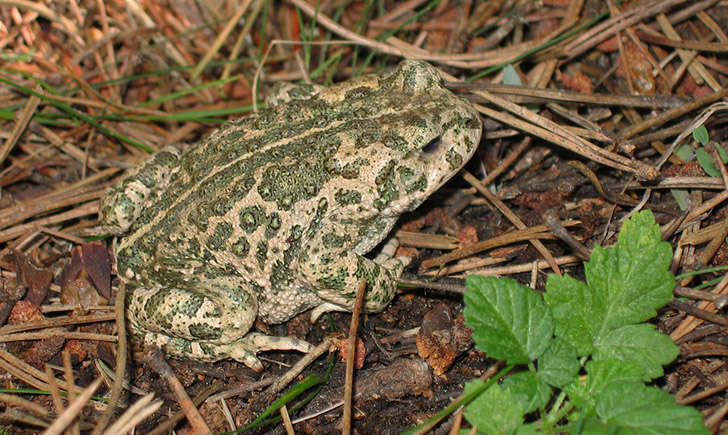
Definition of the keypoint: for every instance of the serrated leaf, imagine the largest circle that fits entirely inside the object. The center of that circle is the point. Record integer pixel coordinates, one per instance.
(706, 162)
(496, 411)
(578, 311)
(646, 410)
(639, 344)
(529, 429)
(509, 321)
(558, 366)
(700, 134)
(633, 278)
(599, 374)
(594, 426)
(529, 389)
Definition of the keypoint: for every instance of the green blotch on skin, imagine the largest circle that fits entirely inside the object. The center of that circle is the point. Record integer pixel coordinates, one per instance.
(317, 220)
(281, 277)
(251, 217)
(179, 346)
(198, 219)
(274, 224)
(218, 239)
(261, 253)
(406, 174)
(454, 159)
(358, 93)
(346, 197)
(418, 185)
(287, 185)
(331, 240)
(189, 306)
(204, 332)
(240, 248)
(369, 274)
(386, 186)
(350, 171)
(335, 281)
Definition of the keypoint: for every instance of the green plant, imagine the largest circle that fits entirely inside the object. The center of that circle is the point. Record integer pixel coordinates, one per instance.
(700, 134)
(585, 350)
(702, 156)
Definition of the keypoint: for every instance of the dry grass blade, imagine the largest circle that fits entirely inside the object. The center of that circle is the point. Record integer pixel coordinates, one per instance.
(535, 232)
(13, 400)
(206, 393)
(558, 135)
(616, 24)
(137, 412)
(74, 408)
(539, 95)
(71, 335)
(29, 374)
(421, 240)
(67, 25)
(25, 118)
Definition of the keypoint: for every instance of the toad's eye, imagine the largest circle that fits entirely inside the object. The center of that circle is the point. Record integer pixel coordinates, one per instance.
(432, 146)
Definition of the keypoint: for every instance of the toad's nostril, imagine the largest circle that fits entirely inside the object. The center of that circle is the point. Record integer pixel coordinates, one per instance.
(432, 146)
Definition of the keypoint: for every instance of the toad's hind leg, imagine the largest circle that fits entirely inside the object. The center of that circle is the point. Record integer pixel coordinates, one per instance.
(188, 325)
(122, 204)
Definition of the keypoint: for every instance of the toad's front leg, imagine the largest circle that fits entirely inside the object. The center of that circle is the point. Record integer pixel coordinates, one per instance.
(330, 266)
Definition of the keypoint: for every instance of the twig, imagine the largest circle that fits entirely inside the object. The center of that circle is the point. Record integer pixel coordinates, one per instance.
(531, 233)
(351, 356)
(154, 358)
(73, 410)
(515, 220)
(562, 233)
(56, 322)
(297, 368)
(120, 362)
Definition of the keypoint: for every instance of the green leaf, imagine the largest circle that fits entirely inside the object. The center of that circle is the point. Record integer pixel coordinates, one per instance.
(700, 134)
(593, 426)
(511, 76)
(706, 162)
(625, 285)
(639, 344)
(496, 411)
(646, 410)
(529, 389)
(578, 311)
(633, 278)
(681, 197)
(558, 366)
(721, 153)
(509, 321)
(582, 393)
(684, 152)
